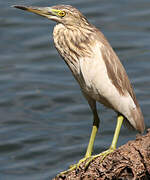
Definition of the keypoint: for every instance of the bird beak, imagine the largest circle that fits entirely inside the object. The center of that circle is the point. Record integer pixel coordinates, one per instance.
(42, 11)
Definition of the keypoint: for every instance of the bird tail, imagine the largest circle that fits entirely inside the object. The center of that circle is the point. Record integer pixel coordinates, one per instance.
(136, 120)
(139, 119)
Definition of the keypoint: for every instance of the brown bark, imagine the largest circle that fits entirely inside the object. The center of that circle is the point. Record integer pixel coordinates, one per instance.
(129, 162)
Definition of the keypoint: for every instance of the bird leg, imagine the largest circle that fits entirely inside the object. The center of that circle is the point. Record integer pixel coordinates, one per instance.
(93, 134)
(88, 154)
(113, 144)
(91, 141)
(89, 150)
(117, 131)
(92, 104)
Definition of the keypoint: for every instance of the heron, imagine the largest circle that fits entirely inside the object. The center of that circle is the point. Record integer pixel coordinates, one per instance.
(97, 69)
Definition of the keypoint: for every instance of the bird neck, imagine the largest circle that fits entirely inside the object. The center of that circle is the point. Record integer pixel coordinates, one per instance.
(73, 44)
(74, 41)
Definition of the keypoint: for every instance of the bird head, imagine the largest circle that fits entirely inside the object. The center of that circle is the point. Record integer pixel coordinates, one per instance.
(64, 14)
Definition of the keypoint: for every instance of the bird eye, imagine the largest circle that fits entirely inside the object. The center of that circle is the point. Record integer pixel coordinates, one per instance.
(61, 13)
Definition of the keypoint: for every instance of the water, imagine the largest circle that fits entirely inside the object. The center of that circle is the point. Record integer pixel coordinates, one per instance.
(45, 122)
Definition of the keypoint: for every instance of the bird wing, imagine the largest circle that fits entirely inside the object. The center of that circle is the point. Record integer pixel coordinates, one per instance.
(116, 71)
(120, 80)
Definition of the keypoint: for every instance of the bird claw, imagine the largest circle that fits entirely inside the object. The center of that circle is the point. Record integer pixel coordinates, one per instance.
(71, 168)
(77, 166)
(103, 154)
(106, 153)
(89, 160)
(74, 166)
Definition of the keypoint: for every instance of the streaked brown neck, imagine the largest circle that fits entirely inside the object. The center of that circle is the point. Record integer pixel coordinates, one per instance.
(73, 41)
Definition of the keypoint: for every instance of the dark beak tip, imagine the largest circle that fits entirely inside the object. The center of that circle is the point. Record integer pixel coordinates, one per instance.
(19, 7)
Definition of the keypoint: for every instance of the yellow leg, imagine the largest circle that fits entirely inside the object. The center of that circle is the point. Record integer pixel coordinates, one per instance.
(117, 131)
(90, 145)
(114, 141)
(92, 138)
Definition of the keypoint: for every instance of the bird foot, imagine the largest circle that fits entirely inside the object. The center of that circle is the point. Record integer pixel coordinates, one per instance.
(74, 166)
(103, 155)
(88, 161)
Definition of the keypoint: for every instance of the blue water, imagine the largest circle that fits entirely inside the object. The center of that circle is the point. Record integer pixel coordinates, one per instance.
(45, 122)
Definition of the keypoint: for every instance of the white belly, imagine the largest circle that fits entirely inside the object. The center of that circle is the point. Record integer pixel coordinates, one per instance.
(95, 82)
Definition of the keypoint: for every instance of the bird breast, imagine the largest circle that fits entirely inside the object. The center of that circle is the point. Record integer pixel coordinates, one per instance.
(85, 61)
(72, 44)
(100, 76)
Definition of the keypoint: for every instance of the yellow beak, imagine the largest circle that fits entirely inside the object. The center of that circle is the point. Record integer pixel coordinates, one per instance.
(42, 11)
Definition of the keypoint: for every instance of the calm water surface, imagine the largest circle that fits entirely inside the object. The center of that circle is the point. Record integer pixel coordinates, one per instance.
(45, 122)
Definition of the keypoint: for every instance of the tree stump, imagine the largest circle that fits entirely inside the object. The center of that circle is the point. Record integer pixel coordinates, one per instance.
(129, 162)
